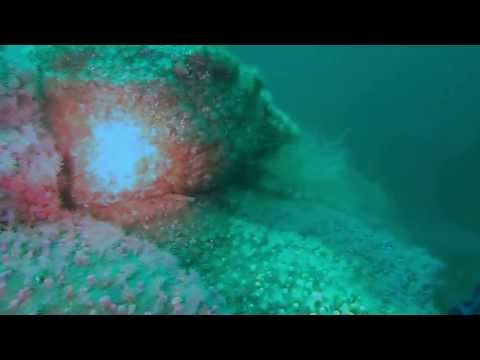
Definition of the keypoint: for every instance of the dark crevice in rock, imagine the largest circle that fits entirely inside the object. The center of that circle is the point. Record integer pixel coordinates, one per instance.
(65, 184)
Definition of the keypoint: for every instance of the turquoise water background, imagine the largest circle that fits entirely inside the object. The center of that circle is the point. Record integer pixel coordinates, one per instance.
(406, 119)
(413, 120)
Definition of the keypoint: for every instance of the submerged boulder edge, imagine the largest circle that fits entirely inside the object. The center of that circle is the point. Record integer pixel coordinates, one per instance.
(141, 130)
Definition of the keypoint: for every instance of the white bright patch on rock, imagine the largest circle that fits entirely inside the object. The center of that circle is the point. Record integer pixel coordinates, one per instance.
(120, 155)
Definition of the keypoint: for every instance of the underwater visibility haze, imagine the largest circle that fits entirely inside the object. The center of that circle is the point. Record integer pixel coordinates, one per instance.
(322, 180)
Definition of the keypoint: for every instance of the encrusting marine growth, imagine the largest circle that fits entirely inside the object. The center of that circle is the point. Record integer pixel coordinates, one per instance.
(83, 266)
(124, 190)
(144, 129)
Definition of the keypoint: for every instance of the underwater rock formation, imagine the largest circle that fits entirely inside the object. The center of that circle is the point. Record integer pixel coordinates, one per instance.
(132, 181)
(345, 267)
(29, 161)
(28, 174)
(83, 266)
(143, 129)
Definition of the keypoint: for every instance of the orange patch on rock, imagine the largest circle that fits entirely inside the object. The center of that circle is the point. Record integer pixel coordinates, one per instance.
(69, 108)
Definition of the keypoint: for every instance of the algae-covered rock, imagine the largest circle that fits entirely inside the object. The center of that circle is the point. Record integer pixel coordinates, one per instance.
(83, 266)
(183, 147)
(143, 129)
(345, 267)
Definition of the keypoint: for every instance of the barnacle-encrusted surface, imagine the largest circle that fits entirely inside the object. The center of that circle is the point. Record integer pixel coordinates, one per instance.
(336, 264)
(178, 145)
(82, 266)
(202, 114)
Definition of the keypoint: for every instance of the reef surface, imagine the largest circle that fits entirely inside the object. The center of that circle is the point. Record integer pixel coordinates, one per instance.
(164, 180)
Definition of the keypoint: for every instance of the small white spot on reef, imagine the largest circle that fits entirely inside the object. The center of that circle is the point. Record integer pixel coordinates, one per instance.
(118, 148)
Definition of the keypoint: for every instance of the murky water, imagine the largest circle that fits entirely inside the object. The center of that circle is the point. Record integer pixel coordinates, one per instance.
(292, 180)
